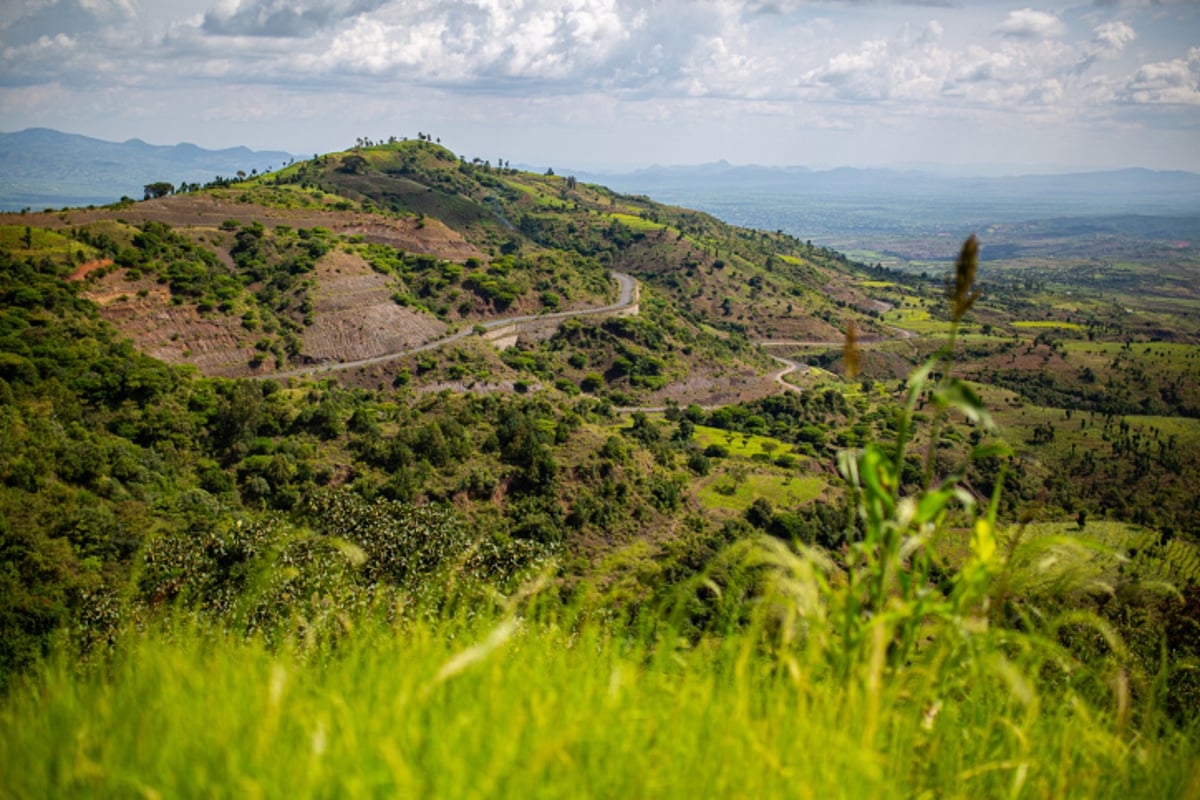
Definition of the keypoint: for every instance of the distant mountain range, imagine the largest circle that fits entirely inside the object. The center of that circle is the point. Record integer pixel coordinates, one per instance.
(1131, 185)
(829, 205)
(43, 168)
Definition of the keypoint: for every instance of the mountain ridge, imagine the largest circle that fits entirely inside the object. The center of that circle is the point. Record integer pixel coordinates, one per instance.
(43, 167)
(840, 180)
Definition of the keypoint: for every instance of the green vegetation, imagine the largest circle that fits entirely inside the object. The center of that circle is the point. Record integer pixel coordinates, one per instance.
(535, 708)
(469, 571)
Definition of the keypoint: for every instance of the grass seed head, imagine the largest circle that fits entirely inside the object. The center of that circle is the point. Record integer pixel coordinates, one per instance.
(850, 351)
(960, 294)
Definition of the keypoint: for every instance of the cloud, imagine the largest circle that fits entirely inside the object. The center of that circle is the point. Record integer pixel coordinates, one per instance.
(106, 7)
(1174, 82)
(485, 42)
(1030, 24)
(910, 66)
(28, 21)
(866, 64)
(27, 63)
(1108, 41)
(1139, 3)
(1111, 37)
(791, 6)
(282, 18)
(45, 46)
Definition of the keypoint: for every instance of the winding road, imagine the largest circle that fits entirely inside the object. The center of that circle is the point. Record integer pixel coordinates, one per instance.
(626, 296)
(790, 366)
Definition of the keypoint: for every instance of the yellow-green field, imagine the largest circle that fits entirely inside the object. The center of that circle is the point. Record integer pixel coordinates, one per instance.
(741, 445)
(917, 320)
(1186, 430)
(728, 493)
(1047, 323)
(540, 197)
(41, 243)
(637, 223)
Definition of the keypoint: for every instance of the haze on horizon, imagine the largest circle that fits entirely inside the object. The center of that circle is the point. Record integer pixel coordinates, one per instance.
(612, 84)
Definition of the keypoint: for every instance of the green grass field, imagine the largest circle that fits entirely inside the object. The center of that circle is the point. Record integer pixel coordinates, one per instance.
(917, 320)
(537, 709)
(782, 491)
(1120, 549)
(741, 445)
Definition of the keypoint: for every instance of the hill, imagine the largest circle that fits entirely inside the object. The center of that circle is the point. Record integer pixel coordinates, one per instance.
(436, 244)
(42, 168)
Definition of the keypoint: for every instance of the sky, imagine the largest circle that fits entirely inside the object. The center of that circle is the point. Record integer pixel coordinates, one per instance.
(983, 86)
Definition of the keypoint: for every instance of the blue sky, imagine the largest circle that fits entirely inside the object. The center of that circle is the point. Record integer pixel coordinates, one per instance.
(611, 84)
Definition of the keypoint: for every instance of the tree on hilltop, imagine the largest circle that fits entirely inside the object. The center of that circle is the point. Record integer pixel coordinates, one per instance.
(158, 189)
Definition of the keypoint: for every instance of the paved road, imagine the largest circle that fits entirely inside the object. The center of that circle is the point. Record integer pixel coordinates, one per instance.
(626, 296)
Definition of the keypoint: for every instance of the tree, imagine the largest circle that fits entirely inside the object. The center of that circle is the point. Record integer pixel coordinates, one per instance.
(158, 189)
(353, 164)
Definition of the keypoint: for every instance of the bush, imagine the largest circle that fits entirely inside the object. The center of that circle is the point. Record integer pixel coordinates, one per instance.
(699, 463)
(592, 382)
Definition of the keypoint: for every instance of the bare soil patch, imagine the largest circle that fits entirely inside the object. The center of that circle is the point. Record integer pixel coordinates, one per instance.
(177, 334)
(355, 316)
(89, 267)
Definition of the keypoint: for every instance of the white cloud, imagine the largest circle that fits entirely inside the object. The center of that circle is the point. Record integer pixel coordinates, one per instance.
(102, 7)
(45, 50)
(919, 69)
(1030, 24)
(479, 40)
(1108, 42)
(1111, 37)
(1174, 82)
(281, 18)
(603, 64)
(14, 12)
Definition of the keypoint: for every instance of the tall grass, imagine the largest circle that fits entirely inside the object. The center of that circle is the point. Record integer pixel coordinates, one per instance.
(539, 710)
